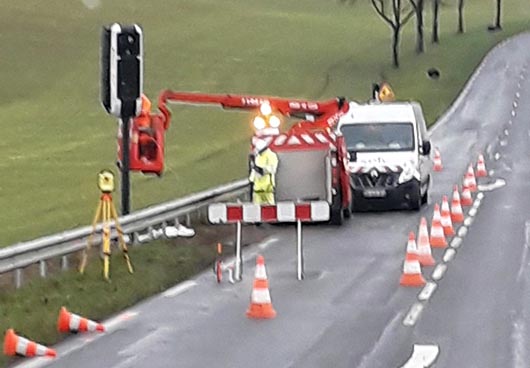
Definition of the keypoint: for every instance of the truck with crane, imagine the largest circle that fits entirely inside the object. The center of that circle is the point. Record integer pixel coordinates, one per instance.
(313, 160)
(328, 153)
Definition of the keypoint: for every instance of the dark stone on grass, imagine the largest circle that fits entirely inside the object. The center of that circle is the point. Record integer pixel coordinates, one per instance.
(433, 73)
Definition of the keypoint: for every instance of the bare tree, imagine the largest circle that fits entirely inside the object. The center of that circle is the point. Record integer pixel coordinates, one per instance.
(460, 16)
(396, 18)
(435, 21)
(418, 6)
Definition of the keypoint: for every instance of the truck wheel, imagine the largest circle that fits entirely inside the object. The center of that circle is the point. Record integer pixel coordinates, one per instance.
(348, 210)
(415, 200)
(337, 212)
(425, 196)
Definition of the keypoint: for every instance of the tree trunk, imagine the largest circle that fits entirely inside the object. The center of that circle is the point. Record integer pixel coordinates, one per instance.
(395, 46)
(435, 26)
(498, 16)
(460, 16)
(419, 28)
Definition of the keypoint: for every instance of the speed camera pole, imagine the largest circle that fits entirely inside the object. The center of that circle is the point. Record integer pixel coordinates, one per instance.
(121, 89)
(125, 181)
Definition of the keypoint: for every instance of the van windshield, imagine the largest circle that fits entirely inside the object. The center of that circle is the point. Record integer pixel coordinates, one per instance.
(366, 137)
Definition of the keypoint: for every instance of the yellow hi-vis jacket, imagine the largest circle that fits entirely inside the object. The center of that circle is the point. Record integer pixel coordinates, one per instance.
(268, 161)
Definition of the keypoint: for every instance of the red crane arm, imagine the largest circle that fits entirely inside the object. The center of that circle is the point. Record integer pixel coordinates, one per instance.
(321, 111)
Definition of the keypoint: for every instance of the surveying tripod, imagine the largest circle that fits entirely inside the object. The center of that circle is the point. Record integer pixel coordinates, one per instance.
(106, 212)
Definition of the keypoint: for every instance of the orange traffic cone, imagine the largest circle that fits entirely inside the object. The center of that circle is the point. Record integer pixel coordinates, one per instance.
(17, 345)
(481, 167)
(437, 161)
(447, 224)
(467, 199)
(412, 248)
(412, 274)
(70, 322)
(424, 246)
(469, 179)
(457, 215)
(437, 230)
(260, 299)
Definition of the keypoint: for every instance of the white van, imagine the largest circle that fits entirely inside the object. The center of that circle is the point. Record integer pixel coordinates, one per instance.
(389, 153)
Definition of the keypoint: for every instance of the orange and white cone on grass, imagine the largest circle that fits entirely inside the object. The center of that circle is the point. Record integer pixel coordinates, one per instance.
(424, 246)
(260, 299)
(481, 167)
(447, 224)
(17, 345)
(70, 322)
(437, 231)
(469, 179)
(412, 248)
(437, 161)
(412, 274)
(467, 198)
(457, 215)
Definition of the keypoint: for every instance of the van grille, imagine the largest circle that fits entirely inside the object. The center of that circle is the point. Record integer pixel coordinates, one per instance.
(366, 180)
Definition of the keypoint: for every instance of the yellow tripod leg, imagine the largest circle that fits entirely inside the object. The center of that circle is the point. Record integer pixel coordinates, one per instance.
(89, 241)
(106, 240)
(121, 241)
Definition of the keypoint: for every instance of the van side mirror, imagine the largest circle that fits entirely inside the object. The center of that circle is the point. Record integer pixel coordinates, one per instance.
(426, 148)
(352, 155)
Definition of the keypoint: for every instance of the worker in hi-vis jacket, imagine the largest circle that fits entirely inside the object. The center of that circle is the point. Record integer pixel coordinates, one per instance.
(263, 166)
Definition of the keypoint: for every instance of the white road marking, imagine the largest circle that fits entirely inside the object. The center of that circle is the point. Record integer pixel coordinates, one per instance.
(517, 95)
(427, 291)
(179, 289)
(515, 104)
(519, 343)
(513, 113)
(522, 77)
(119, 319)
(473, 212)
(497, 156)
(439, 272)
(480, 195)
(423, 356)
(499, 183)
(267, 242)
(144, 343)
(449, 255)
(414, 313)
(506, 132)
(469, 220)
(510, 122)
(462, 231)
(456, 242)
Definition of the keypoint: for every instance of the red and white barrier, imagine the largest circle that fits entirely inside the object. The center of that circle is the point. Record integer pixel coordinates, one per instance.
(238, 213)
(226, 213)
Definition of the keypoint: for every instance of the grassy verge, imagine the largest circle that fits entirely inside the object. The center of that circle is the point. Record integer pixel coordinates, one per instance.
(33, 310)
(56, 136)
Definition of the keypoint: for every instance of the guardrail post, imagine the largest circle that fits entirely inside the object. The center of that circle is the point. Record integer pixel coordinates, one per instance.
(64, 263)
(18, 278)
(188, 220)
(42, 268)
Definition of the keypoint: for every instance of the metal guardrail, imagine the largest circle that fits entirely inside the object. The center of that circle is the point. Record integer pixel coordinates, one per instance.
(20, 255)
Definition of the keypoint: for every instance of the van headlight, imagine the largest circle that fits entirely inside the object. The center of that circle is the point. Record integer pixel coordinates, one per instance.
(409, 171)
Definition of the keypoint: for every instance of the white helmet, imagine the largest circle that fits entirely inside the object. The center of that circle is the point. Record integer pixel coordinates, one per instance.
(260, 144)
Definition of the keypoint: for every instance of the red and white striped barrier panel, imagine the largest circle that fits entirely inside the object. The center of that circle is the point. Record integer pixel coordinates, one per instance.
(228, 213)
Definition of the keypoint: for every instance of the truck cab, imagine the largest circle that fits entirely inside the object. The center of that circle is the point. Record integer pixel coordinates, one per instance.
(389, 150)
